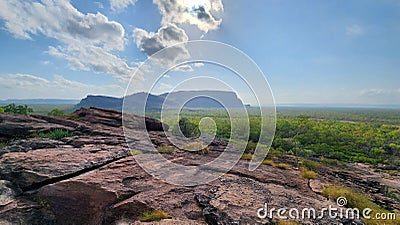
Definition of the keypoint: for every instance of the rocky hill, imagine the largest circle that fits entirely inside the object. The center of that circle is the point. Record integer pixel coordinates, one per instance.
(90, 178)
(135, 102)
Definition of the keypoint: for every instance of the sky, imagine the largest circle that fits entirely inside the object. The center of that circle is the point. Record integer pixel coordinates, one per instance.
(310, 52)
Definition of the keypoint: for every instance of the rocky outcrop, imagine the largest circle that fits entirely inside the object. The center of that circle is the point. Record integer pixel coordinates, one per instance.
(90, 178)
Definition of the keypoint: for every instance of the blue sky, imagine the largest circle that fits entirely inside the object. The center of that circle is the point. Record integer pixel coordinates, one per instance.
(317, 52)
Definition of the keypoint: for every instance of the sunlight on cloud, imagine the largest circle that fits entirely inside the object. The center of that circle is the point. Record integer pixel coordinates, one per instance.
(198, 13)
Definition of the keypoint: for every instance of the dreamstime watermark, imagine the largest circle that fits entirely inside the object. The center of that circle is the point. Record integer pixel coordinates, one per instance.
(231, 71)
(333, 212)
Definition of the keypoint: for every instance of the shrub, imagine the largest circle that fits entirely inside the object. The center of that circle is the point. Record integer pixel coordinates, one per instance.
(268, 162)
(282, 166)
(165, 149)
(154, 215)
(56, 112)
(359, 201)
(20, 109)
(310, 165)
(247, 156)
(330, 162)
(1, 110)
(308, 174)
(187, 128)
(56, 134)
(194, 146)
(251, 146)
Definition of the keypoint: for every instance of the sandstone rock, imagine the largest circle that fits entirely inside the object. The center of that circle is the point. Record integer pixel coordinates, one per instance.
(89, 178)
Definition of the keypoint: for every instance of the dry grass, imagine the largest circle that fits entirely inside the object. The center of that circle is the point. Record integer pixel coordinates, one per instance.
(308, 174)
(154, 215)
(359, 201)
(165, 149)
(268, 162)
(247, 156)
(282, 166)
(194, 146)
(134, 152)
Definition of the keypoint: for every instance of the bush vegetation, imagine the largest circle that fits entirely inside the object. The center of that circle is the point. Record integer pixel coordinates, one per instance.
(16, 109)
(188, 128)
(310, 165)
(56, 112)
(326, 134)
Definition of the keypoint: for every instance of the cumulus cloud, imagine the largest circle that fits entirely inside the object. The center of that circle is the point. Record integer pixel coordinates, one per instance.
(170, 34)
(31, 86)
(118, 5)
(80, 34)
(200, 13)
(94, 58)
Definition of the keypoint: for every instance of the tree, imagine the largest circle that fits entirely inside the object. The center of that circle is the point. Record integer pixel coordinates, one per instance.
(1, 110)
(56, 112)
(187, 128)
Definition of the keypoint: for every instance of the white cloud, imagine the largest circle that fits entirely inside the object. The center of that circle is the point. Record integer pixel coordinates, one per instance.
(195, 12)
(170, 34)
(354, 30)
(31, 86)
(80, 34)
(118, 5)
(183, 68)
(94, 58)
(381, 92)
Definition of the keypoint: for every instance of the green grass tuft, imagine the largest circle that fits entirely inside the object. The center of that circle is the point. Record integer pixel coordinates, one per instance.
(56, 134)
